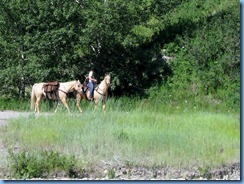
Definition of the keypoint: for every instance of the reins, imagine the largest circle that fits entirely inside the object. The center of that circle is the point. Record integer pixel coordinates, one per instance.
(101, 89)
(99, 92)
(63, 91)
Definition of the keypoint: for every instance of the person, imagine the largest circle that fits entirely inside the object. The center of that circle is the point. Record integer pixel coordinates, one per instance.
(91, 81)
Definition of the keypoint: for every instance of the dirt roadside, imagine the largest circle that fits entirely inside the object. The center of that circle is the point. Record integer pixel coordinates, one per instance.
(6, 115)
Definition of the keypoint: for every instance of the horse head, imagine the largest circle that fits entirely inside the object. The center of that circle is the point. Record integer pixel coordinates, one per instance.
(78, 87)
(107, 79)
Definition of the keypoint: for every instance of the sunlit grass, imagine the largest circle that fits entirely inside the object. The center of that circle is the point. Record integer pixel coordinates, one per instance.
(141, 136)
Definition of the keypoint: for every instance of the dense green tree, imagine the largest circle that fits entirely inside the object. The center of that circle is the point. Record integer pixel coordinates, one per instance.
(38, 41)
(208, 58)
(60, 40)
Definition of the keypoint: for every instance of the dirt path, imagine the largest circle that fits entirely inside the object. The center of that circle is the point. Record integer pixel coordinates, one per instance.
(6, 115)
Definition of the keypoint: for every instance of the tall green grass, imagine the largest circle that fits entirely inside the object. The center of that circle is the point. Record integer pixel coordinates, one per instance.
(159, 102)
(133, 132)
(45, 105)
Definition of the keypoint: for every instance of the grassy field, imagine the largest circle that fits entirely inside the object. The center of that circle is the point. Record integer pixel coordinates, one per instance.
(133, 132)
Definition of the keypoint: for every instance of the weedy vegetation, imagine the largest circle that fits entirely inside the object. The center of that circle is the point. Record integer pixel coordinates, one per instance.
(131, 131)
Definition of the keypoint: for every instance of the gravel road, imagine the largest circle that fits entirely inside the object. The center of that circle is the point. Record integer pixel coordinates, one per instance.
(122, 172)
(5, 115)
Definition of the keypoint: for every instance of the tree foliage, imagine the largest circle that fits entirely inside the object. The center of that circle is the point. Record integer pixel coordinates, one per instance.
(60, 40)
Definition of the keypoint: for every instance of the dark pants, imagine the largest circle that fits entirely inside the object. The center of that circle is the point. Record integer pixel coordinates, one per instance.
(91, 86)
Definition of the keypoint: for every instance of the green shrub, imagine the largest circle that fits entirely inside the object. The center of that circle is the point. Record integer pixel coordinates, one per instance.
(14, 104)
(111, 174)
(26, 164)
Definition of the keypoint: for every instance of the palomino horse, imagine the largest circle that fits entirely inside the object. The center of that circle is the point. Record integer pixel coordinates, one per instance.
(100, 93)
(38, 93)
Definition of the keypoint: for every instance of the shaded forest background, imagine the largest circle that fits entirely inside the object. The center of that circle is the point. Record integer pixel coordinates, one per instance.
(60, 40)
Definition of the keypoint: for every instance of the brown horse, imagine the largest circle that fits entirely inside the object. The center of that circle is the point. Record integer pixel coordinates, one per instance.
(100, 93)
(38, 93)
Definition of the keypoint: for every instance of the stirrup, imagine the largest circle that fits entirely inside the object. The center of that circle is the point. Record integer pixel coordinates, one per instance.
(90, 99)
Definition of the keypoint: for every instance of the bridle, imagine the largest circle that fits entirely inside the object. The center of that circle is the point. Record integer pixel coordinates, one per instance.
(65, 91)
(108, 84)
(97, 88)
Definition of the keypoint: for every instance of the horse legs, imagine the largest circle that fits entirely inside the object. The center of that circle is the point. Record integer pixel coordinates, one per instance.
(65, 103)
(104, 104)
(96, 101)
(57, 106)
(104, 107)
(78, 106)
(78, 100)
(38, 100)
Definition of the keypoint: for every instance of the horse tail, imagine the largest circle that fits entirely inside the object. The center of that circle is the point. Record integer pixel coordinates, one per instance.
(33, 97)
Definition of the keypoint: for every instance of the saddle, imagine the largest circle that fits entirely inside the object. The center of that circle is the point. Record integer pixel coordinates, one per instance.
(85, 84)
(51, 89)
(86, 87)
